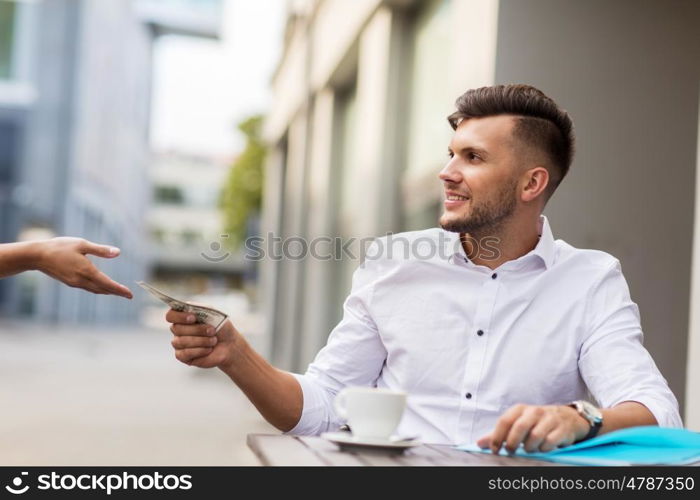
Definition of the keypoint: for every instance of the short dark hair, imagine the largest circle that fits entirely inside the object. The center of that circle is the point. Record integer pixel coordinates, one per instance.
(540, 121)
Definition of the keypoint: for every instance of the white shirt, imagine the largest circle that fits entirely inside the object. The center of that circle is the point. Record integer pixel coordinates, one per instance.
(555, 323)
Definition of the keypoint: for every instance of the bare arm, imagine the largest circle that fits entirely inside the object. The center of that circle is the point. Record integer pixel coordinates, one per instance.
(275, 393)
(626, 414)
(64, 259)
(18, 257)
(354, 355)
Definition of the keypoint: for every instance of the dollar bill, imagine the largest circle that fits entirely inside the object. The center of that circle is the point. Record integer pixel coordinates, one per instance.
(202, 314)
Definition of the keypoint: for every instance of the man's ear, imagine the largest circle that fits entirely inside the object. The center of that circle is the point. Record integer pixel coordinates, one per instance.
(535, 182)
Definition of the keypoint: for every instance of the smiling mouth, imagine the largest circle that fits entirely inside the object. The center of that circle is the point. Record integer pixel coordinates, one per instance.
(454, 197)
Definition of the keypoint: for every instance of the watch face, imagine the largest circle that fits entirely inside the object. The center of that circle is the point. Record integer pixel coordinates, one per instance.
(593, 412)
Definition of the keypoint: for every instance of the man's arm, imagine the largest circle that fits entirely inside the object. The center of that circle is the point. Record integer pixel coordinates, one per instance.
(63, 259)
(354, 355)
(276, 394)
(617, 369)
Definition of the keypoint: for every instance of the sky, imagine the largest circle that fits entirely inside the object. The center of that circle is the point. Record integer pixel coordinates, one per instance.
(203, 88)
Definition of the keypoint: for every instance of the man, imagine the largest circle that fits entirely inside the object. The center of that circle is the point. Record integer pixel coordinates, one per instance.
(501, 347)
(64, 259)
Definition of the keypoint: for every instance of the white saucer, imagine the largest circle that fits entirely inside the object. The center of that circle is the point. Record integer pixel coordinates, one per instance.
(347, 440)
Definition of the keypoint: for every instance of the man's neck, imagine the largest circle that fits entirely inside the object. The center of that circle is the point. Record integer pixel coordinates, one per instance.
(511, 239)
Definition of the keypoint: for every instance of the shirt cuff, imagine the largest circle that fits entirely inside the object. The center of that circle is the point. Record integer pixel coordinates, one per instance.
(315, 408)
(665, 415)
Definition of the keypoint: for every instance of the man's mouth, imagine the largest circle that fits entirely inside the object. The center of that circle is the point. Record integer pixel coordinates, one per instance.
(453, 198)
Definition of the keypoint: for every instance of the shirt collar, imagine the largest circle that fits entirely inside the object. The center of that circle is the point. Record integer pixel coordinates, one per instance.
(544, 249)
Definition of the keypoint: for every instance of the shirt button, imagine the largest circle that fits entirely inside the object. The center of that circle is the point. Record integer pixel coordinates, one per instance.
(465, 259)
(468, 395)
(480, 333)
(494, 276)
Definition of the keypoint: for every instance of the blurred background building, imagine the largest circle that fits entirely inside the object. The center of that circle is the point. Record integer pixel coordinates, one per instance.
(73, 160)
(75, 108)
(358, 134)
(185, 220)
(118, 123)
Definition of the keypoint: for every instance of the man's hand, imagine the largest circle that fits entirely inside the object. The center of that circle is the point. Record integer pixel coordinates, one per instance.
(539, 428)
(196, 344)
(65, 259)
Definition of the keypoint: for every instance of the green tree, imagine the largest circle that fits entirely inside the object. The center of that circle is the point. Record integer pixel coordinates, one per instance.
(242, 194)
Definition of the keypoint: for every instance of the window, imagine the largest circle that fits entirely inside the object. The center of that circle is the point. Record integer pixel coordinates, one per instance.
(9, 142)
(430, 102)
(7, 29)
(190, 237)
(347, 191)
(171, 195)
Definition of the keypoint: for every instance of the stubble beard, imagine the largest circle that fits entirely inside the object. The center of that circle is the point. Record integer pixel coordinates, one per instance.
(485, 218)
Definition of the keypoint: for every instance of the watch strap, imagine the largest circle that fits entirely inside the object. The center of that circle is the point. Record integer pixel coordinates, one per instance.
(592, 432)
(595, 424)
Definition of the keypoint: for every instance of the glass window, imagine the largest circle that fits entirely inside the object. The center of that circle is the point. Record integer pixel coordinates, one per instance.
(169, 194)
(347, 191)
(7, 28)
(190, 236)
(9, 141)
(430, 102)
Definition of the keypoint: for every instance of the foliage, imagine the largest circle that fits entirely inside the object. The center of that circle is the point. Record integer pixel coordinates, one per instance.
(241, 197)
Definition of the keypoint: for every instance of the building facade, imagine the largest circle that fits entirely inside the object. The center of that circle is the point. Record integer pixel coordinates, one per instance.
(189, 251)
(357, 135)
(75, 86)
(81, 71)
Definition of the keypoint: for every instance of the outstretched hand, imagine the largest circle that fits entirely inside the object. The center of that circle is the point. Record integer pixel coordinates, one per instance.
(65, 259)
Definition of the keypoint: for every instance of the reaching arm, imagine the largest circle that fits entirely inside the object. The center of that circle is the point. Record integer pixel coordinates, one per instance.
(63, 259)
(275, 393)
(354, 355)
(18, 257)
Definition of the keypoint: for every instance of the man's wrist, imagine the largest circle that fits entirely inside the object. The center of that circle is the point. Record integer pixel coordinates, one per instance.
(236, 352)
(592, 415)
(583, 426)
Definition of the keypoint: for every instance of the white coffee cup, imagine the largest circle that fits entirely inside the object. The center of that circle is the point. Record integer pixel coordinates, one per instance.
(371, 413)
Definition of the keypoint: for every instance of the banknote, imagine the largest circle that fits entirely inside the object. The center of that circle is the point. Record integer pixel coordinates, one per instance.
(202, 314)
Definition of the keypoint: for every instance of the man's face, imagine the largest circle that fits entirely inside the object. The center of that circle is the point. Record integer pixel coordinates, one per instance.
(481, 176)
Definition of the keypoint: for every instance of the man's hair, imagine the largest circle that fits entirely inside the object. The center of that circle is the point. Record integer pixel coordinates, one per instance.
(539, 122)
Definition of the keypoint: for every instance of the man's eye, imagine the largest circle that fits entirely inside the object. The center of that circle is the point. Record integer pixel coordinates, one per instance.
(450, 154)
(474, 156)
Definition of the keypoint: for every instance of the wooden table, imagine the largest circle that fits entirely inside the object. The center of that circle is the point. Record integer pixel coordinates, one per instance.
(276, 449)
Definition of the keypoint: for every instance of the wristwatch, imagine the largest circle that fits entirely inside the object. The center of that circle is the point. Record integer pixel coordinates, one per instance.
(590, 413)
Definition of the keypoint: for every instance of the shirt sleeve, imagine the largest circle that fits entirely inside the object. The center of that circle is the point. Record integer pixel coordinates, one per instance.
(353, 356)
(613, 361)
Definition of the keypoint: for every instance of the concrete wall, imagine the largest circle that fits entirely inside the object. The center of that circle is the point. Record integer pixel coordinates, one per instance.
(628, 73)
(692, 390)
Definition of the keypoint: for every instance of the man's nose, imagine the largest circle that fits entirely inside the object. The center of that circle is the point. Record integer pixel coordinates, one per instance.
(450, 174)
